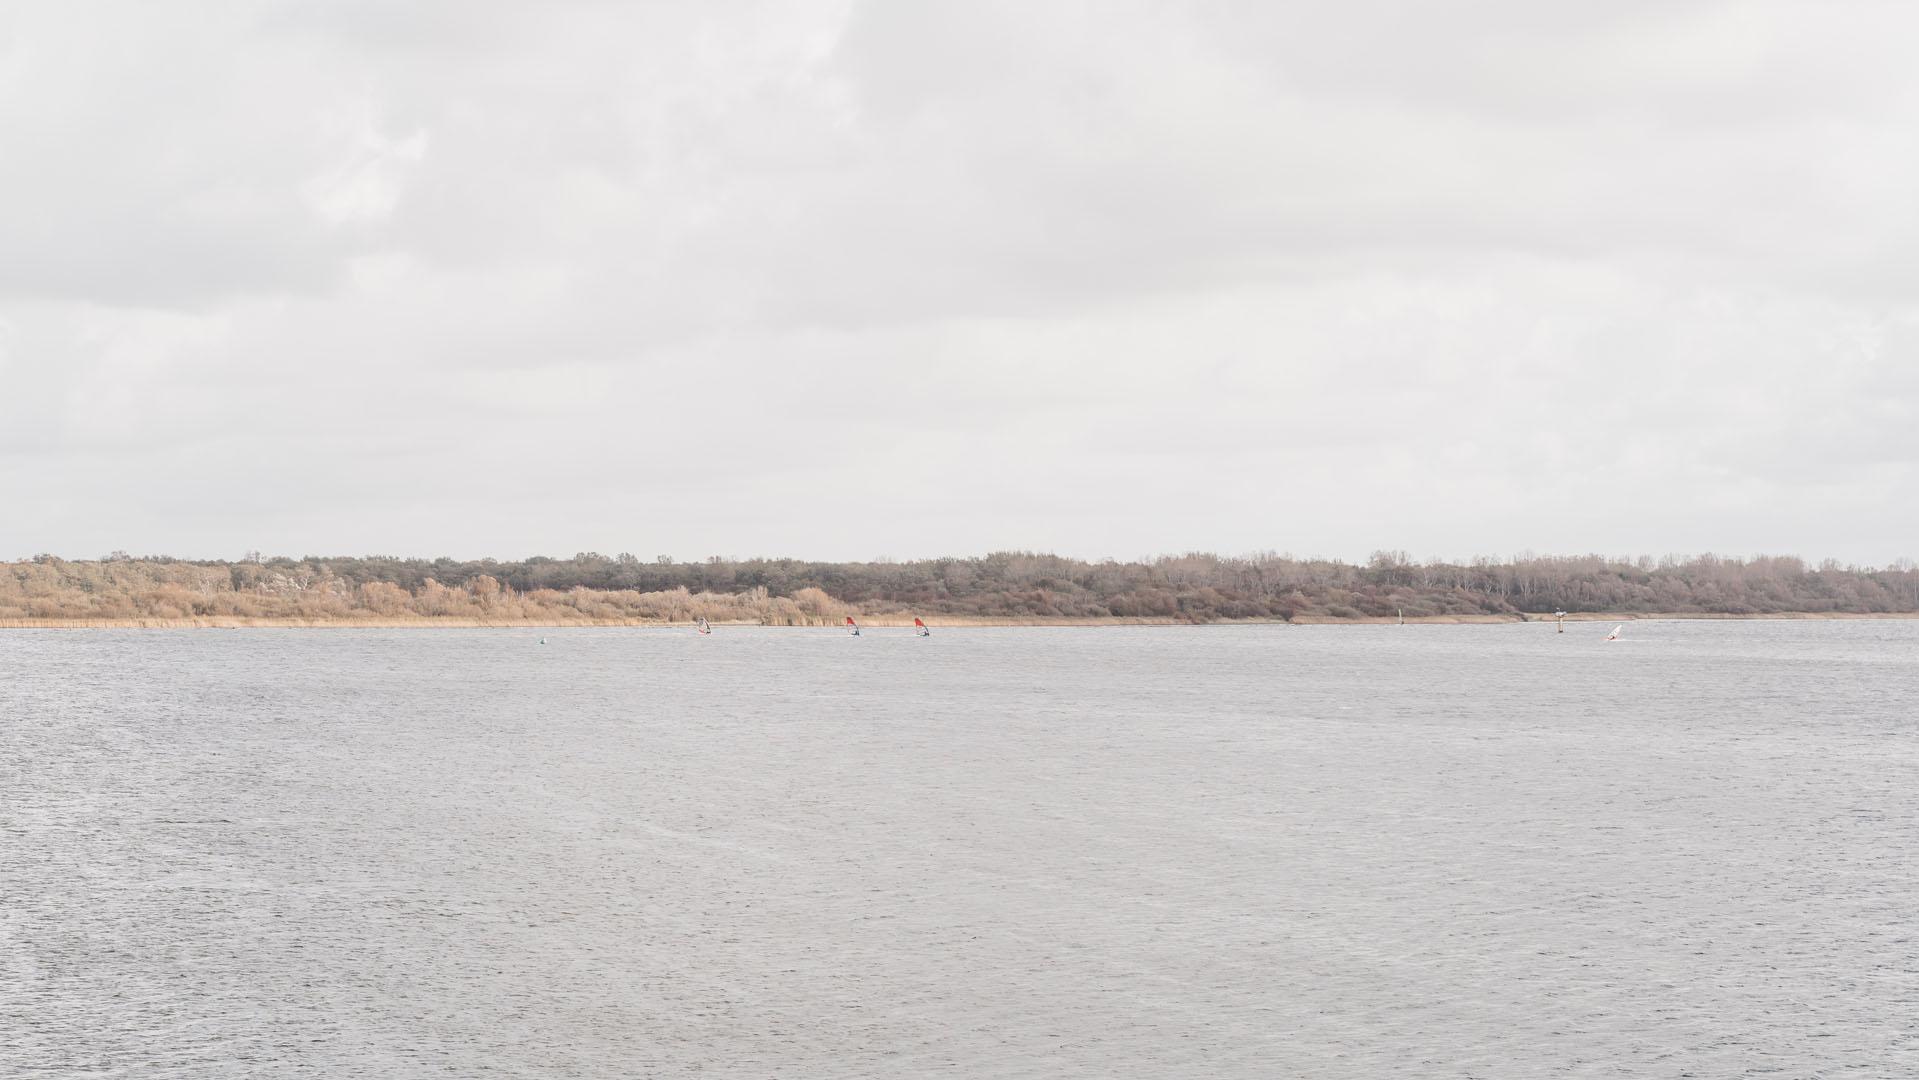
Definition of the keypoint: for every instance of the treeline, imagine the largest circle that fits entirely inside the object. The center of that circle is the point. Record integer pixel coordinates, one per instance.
(1003, 586)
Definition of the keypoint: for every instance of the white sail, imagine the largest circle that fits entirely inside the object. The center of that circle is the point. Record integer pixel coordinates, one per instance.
(1616, 631)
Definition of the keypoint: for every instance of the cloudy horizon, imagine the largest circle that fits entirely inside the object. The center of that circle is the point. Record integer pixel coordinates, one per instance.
(842, 280)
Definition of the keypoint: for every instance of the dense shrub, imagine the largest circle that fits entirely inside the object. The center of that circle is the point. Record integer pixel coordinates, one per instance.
(1011, 585)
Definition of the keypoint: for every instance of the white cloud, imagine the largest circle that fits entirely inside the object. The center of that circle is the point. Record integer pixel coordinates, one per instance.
(840, 279)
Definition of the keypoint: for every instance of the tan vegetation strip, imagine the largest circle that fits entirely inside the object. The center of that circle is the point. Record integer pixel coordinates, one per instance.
(891, 623)
(1003, 589)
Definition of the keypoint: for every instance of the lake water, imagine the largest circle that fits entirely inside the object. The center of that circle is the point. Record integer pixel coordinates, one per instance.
(1131, 852)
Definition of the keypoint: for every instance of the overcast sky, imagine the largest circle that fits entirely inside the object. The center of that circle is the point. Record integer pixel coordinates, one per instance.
(844, 280)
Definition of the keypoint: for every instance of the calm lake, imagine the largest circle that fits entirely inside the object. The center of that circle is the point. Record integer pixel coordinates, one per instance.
(1354, 851)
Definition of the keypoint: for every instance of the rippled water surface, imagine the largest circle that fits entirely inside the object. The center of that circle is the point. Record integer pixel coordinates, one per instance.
(1235, 852)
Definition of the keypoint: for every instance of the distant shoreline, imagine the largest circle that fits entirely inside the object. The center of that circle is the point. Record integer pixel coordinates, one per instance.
(999, 589)
(895, 621)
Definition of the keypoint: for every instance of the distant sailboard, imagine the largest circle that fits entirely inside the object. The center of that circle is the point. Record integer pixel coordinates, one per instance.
(852, 627)
(1616, 631)
(919, 628)
(703, 627)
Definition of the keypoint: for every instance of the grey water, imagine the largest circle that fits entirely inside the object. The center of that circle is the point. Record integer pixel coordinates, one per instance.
(1354, 851)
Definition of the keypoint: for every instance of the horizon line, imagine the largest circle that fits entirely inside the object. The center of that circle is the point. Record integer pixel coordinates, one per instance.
(1386, 557)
